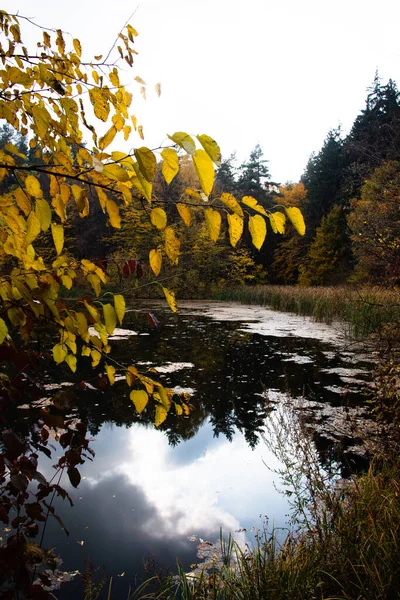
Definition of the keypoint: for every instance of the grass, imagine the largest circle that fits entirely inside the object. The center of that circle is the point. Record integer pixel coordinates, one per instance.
(344, 543)
(364, 310)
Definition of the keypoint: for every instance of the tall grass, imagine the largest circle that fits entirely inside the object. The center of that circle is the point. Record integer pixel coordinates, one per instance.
(365, 310)
(344, 545)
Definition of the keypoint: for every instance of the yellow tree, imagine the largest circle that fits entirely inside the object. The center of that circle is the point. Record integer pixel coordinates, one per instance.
(53, 96)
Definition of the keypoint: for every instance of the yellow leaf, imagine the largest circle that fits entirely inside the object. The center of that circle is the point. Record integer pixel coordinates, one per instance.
(113, 213)
(41, 120)
(57, 232)
(252, 202)
(258, 230)
(158, 217)
(193, 193)
(172, 245)
(3, 331)
(99, 99)
(155, 258)
(184, 141)
(43, 213)
(14, 150)
(235, 224)
(77, 47)
(71, 362)
(161, 415)
(59, 353)
(296, 218)
(33, 229)
(163, 396)
(107, 138)
(147, 162)
(140, 399)
(213, 220)
(140, 80)
(110, 318)
(59, 207)
(170, 297)
(140, 131)
(22, 201)
(32, 186)
(170, 166)
(96, 357)
(277, 221)
(211, 147)
(110, 370)
(231, 202)
(114, 171)
(119, 305)
(185, 213)
(205, 170)
(66, 281)
(92, 311)
(132, 30)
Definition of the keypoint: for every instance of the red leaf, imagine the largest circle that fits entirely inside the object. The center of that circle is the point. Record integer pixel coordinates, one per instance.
(130, 267)
(152, 319)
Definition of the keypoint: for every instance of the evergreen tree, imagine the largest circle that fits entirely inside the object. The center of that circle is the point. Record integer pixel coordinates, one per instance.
(254, 175)
(323, 179)
(225, 179)
(329, 257)
(374, 137)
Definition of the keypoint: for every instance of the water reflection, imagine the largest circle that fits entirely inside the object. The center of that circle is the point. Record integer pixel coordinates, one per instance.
(143, 497)
(148, 490)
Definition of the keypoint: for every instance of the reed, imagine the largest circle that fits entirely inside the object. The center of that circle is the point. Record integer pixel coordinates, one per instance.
(364, 310)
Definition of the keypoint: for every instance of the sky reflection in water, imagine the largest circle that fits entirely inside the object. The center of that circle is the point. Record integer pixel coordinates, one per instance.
(142, 496)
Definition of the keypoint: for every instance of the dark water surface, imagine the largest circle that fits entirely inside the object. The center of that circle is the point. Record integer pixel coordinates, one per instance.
(148, 490)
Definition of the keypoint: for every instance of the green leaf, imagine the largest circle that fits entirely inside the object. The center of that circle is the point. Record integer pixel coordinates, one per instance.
(211, 147)
(296, 218)
(170, 166)
(184, 141)
(258, 230)
(140, 399)
(147, 162)
(205, 170)
(213, 220)
(110, 318)
(119, 305)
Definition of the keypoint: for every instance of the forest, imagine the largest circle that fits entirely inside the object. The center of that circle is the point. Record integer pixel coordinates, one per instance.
(348, 195)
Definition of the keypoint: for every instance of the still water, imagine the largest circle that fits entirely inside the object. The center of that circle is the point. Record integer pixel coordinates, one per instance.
(147, 490)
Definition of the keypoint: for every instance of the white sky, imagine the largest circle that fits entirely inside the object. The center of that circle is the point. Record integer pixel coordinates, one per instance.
(279, 73)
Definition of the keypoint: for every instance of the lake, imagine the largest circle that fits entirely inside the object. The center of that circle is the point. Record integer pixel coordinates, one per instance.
(149, 490)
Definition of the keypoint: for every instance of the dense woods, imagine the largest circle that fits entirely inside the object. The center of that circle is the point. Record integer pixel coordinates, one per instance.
(348, 194)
